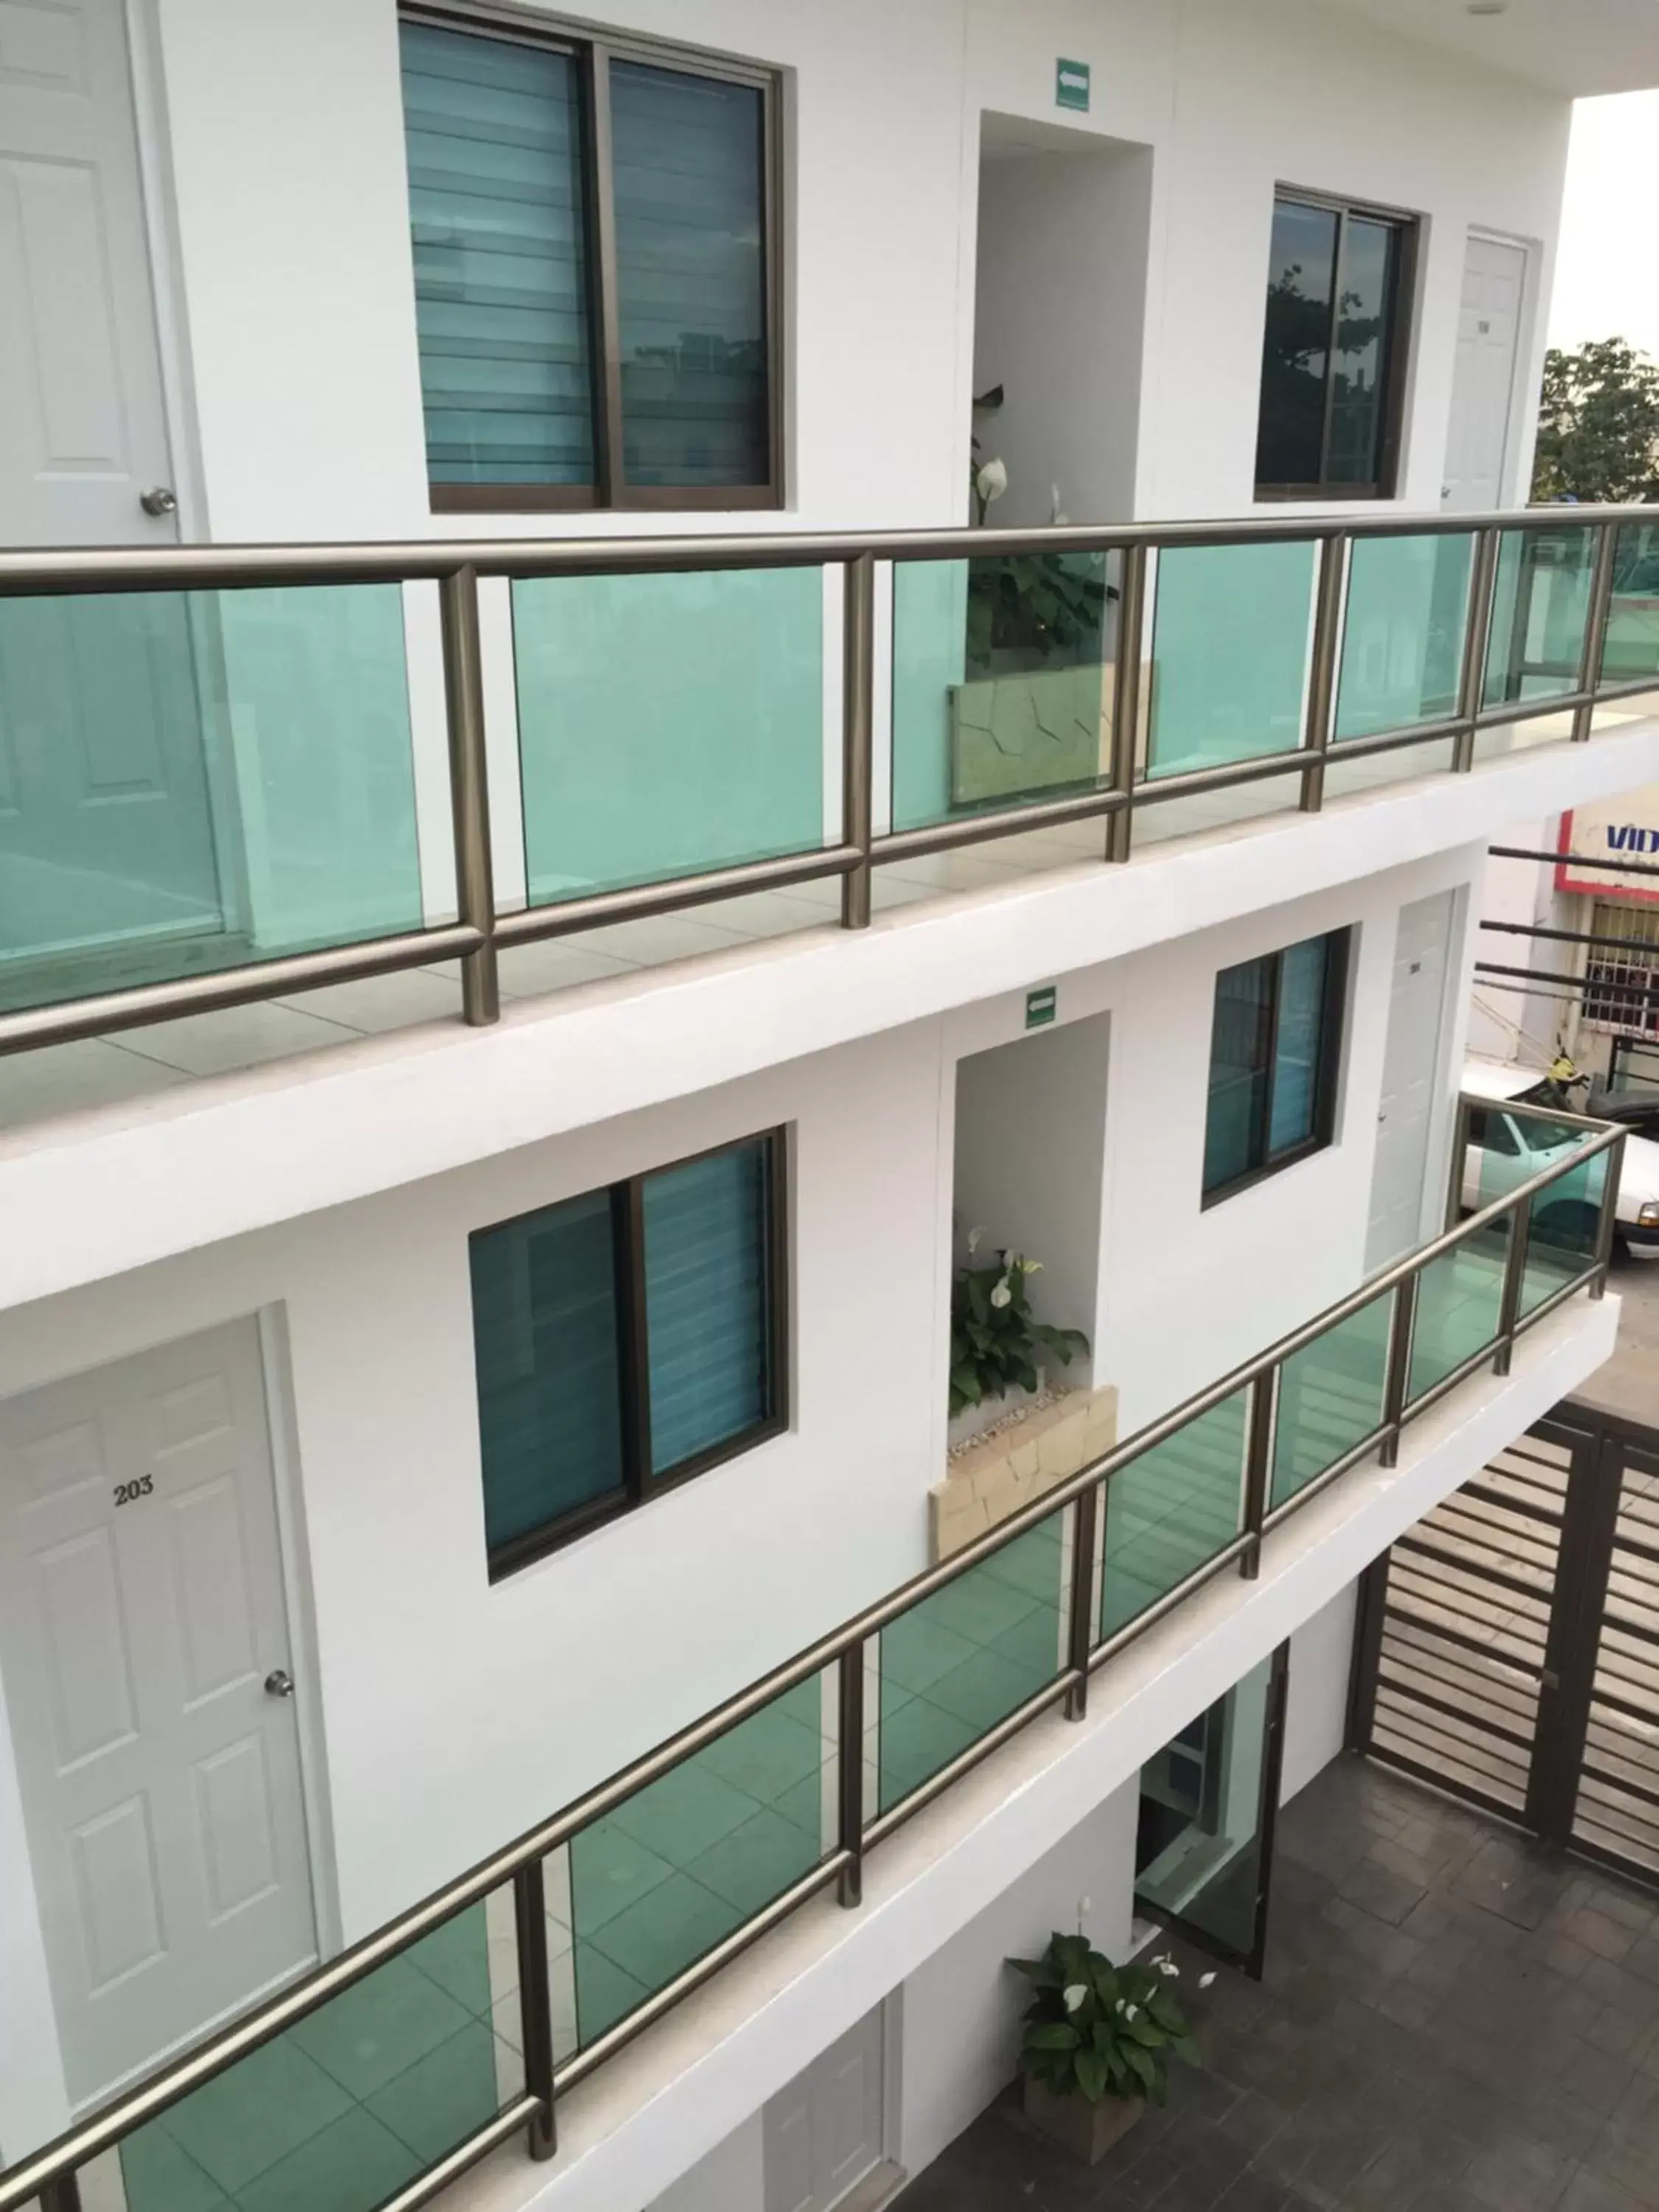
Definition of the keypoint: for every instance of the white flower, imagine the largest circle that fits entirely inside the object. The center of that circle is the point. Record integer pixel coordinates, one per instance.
(1167, 1965)
(1118, 2007)
(973, 1235)
(1002, 1296)
(1205, 1980)
(1075, 1994)
(1031, 1266)
(1130, 2011)
(992, 481)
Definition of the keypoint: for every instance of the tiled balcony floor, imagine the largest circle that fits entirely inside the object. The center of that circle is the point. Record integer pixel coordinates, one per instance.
(141, 1062)
(1451, 2021)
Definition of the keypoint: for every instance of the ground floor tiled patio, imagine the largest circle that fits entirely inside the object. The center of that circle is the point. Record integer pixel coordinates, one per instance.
(1451, 2020)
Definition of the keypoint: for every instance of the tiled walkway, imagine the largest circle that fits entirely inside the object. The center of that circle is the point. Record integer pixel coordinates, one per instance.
(1451, 2021)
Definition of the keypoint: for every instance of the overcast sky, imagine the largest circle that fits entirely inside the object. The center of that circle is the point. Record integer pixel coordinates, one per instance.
(1607, 275)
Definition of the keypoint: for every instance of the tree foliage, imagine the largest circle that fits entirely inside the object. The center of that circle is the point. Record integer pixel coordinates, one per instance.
(1598, 424)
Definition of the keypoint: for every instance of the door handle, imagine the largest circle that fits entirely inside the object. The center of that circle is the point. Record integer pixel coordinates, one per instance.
(279, 1683)
(159, 499)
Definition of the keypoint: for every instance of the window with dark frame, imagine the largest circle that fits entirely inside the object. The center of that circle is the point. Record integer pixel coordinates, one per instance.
(1274, 1050)
(1334, 350)
(626, 1340)
(594, 229)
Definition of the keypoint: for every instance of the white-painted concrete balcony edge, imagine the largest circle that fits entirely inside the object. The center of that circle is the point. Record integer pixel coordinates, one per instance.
(658, 2105)
(89, 1195)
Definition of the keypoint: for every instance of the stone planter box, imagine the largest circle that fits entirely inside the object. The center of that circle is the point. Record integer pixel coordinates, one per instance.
(1024, 733)
(991, 1481)
(1087, 2130)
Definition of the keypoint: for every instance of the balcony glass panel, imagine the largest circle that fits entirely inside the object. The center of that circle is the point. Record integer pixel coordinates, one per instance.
(669, 725)
(1002, 682)
(1330, 1398)
(1347, 778)
(673, 1871)
(1171, 1510)
(1403, 638)
(1231, 627)
(1629, 645)
(962, 1660)
(1540, 604)
(1506, 1149)
(1458, 1298)
(352, 2104)
(190, 780)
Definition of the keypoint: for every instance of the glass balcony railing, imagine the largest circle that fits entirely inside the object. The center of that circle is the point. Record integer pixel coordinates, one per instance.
(229, 774)
(384, 2075)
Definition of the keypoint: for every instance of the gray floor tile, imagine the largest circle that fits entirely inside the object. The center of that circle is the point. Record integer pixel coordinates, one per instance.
(1451, 2021)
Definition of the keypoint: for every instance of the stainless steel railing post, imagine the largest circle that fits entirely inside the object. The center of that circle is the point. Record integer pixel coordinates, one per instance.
(1258, 1465)
(1595, 626)
(1402, 1327)
(1609, 1222)
(849, 1776)
(1471, 681)
(858, 728)
(535, 2003)
(1515, 1279)
(1080, 1619)
(1323, 669)
(1126, 695)
(469, 790)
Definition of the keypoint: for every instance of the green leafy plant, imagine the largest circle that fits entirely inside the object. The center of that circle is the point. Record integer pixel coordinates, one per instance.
(1043, 603)
(994, 1335)
(1094, 2030)
(1598, 424)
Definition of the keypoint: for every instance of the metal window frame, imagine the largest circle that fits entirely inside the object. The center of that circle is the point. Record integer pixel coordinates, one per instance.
(1328, 1065)
(593, 52)
(639, 1485)
(1399, 305)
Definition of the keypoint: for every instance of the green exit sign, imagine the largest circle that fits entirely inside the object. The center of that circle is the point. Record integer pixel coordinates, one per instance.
(1072, 85)
(1040, 1008)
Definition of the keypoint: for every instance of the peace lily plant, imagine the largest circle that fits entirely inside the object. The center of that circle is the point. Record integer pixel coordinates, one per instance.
(994, 1335)
(1096, 2034)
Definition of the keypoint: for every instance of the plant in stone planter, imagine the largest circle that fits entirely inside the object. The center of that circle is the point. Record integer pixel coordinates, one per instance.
(1097, 2042)
(994, 1335)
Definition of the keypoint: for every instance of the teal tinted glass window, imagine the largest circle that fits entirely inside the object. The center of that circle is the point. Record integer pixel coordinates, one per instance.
(1332, 348)
(1273, 1049)
(706, 1268)
(497, 210)
(549, 1376)
(689, 163)
(623, 1339)
(591, 243)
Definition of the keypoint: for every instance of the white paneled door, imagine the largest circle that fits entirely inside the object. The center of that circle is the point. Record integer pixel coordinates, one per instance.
(823, 2133)
(82, 431)
(1402, 1209)
(1483, 385)
(147, 1671)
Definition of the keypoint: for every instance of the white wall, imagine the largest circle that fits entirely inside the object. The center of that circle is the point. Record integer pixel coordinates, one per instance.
(1060, 316)
(287, 175)
(731, 2177)
(962, 2009)
(1507, 1019)
(1316, 1694)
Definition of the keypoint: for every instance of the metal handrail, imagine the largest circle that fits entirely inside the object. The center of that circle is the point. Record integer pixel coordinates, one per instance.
(456, 565)
(519, 1863)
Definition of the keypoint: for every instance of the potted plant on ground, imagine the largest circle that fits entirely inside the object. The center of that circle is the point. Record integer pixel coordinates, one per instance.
(1098, 2043)
(995, 1337)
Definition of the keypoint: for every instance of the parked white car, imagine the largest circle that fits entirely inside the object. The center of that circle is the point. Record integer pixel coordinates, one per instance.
(1506, 1150)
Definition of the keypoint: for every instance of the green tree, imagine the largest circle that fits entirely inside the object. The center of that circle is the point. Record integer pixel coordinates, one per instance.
(1598, 424)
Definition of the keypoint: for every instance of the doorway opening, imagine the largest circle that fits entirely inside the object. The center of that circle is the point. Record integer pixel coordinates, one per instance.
(1406, 1186)
(824, 2136)
(1204, 1837)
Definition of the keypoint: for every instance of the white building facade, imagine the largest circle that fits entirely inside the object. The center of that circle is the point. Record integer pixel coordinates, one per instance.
(408, 1423)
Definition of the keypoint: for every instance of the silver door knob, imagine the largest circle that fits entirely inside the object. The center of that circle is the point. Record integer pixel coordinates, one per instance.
(159, 499)
(279, 1683)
